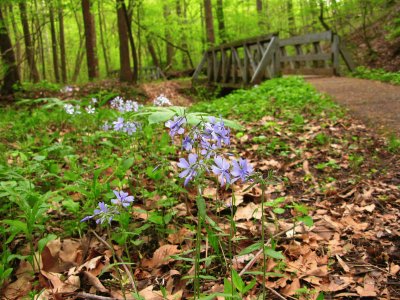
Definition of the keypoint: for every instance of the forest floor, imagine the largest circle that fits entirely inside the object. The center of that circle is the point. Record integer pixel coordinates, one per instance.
(328, 165)
(375, 103)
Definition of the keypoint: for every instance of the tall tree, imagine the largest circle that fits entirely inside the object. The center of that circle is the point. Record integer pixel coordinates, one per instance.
(168, 36)
(132, 43)
(262, 14)
(17, 39)
(182, 20)
(30, 54)
(90, 38)
(62, 43)
(221, 21)
(209, 22)
(54, 43)
(125, 72)
(291, 19)
(11, 75)
(102, 40)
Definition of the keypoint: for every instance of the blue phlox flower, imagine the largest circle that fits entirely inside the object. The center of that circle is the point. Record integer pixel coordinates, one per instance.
(90, 109)
(119, 124)
(221, 169)
(208, 149)
(106, 126)
(175, 126)
(241, 169)
(190, 167)
(187, 143)
(102, 214)
(130, 127)
(123, 198)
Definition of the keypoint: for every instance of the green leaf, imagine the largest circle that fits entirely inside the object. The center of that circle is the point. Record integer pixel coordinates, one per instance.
(307, 220)
(237, 281)
(249, 286)
(43, 242)
(251, 248)
(201, 206)
(17, 226)
(279, 210)
(274, 254)
(71, 205)
(127, 163)
(321, 296)
(160, 116)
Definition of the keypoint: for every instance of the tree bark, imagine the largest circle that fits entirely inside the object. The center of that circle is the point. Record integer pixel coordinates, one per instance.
(209, 22)
(182, 24)
(132, 43)
(125, 72)
(152, 51)
(54, 43)
(11, 75)
(221, 21)
(62, 43)
(321, 15)
(30, 54)
(90, 37)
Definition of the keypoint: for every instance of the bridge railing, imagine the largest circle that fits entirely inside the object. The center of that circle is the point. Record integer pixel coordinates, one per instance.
(251, 61)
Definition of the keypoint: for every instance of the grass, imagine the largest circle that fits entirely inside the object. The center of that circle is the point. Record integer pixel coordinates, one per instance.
(377, 74)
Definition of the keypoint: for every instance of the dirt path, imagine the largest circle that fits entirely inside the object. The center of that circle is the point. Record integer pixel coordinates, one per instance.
(171, 89)
(374, 102)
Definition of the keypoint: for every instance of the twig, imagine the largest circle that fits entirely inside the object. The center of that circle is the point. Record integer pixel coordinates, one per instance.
(251, 263)
(119, 259)
(93, 297)
(276, 293)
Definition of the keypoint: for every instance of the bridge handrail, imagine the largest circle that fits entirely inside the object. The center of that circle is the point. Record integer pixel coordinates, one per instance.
(258, 58)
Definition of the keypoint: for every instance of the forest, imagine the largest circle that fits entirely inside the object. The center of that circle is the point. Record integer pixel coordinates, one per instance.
(199, 149)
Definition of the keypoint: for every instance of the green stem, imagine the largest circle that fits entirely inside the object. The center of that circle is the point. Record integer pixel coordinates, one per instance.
(263, 239)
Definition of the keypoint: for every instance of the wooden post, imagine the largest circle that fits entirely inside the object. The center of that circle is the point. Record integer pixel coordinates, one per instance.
(199, 68)
(335, 55)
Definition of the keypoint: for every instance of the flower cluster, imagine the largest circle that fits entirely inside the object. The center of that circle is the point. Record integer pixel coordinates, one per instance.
(205, 143)
(124, 106)
(106, 213)
(123, 126)
(67, 89)
(72, 110)
(76, 110)
(162, 101)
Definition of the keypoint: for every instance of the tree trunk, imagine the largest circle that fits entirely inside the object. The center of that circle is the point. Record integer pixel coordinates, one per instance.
(168, 37)
(182, 24)
(11, 75)
(62, 43)
(102, 41)
(132, 43)
(152, 51)
(54, 43)
(30, 54)
(90, 37)
(221, 21)
(17, 40)
(39, 30)
(209, 22)
(125, 72)
(321, 15)
(291, 19)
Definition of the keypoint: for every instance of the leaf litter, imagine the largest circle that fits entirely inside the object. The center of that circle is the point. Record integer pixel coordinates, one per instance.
(351, 250)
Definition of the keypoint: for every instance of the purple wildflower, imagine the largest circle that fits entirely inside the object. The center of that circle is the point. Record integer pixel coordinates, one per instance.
(106, 126)
(208, 149)
(130, 127)
(241, 169)
(122, 198)
(102, 214)
(119, 124)
(175, 126)
(190, 167)
(217, 132)
(221, 168)
(187, 143)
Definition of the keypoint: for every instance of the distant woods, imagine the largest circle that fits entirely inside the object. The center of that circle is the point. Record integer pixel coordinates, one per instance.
(67, 41)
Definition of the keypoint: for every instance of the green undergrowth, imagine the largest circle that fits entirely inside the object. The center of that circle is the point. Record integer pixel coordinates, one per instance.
(377, 74)
(283, 97)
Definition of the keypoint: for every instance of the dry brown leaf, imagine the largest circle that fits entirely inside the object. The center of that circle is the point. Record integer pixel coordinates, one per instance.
(291, 289)
(161, 256)
(345, 267)
(394, 269)
(149, 294)
(248, 212)
(58, 286)
(18, 289)
(95, 282)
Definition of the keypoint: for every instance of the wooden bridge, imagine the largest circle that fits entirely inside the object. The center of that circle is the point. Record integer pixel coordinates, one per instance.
(248, 62)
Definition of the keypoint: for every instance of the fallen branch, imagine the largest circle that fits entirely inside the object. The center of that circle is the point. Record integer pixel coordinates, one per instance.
(276, 293)
(93, 297)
